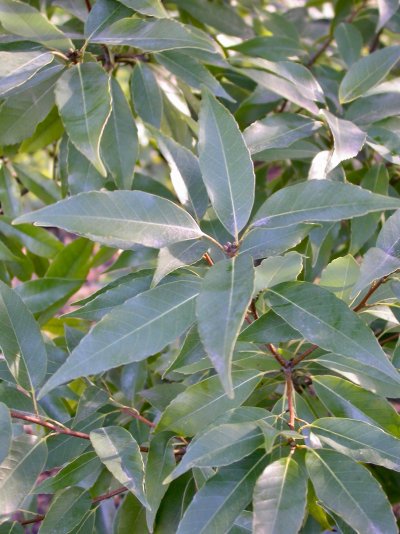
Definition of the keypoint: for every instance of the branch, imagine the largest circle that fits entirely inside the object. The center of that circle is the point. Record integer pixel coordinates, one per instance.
(289, 395)
(371, 290)
(35, 419)
(135, 414)
(303, 355)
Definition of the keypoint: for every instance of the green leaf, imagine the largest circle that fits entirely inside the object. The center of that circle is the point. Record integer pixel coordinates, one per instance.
(227, 290)
(119, 144)
(326, 321)
(348, 139)
(21, 341)
(19, 471)
(185, 176)
(81, 175)
(273, 271)
(6, 431)
(219, 446)
(319, 200)
(103, 14)
(279, 500)
(278, 131)
(361, 441)
(269, 328)
(130, 516)
(262, 242)
(42, 187)
(340, 276)
(344, 399)
(346, 488)
(24, 20)
(387, 8)
(151, 8)
(160, 462)
(84, 102)
(154, 36)
(271, 47)
(18, 67)
(225, 164)
(177, 255)
(36, 240)
(120, 453)
(367, 72)
(198, 406)
(140, 327)
(349, 42)
(47, 132)
(146, 95)
(39, 295)
(119, 219)
(66, 511)
(217, 504)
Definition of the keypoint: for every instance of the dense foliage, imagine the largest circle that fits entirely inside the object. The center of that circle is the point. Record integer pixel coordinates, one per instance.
(199, 258)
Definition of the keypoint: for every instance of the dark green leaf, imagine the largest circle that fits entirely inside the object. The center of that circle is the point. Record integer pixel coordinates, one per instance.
(6, 431)
(66, 511)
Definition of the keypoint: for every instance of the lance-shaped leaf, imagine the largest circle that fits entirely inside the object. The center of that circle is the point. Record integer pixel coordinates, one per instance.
(269, 328)
(225, 164)
(84, 102)
(19, 471)
(119, 219)
(146, 95)
(387, 8)
(227, 290)
(349, 42)
(6, 431)
(119, 144)
(383, 259)
(66, 511)
(346, 487)
(103, 14)
(21, 341)
(221, 445)
(151, 8)
(218, 503)
(273, 271)
(140, 327)
(24, 20)
(154, 36)
(281, 487)
(320, 200)
(367, 72)
(340, 276)
(18, 67)
(348, 139)
(361, 441)
(185, 176)
(328, 322)
(198, 406)
(278, 131)
(120, 453)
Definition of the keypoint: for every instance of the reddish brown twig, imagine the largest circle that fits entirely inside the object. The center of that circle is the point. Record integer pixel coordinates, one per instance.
(208, 259)
(36, 420)
(133, 413)
(371, 290)
(289, 395)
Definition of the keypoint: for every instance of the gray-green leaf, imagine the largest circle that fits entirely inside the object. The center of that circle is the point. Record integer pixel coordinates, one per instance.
(66, 511)
(6, 431)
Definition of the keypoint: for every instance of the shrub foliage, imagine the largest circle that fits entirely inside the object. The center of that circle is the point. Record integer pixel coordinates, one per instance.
(199, 257)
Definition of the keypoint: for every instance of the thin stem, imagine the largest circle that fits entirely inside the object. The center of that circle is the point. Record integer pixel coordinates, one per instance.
(215, 242)
(88, 5)
(208, 259)
(371, 291)
(303, 355)
(37, 420)
(110, 494)
(289, 395)
(134, 413)
(35, 519)
(276, 355)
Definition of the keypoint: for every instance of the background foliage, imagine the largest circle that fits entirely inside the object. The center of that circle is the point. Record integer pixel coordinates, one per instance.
(199, 257)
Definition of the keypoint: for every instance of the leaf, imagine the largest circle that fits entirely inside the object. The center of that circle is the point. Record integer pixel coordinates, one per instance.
(327, 321)
(269, 328)
(178, 255)
(120, 453)
(66, 511)
(367, 72)
(146, 95)
(24, 20)
(38, 184)
(273, 271)
(281, 487)
(344, 399)
(39, 295)
(387, 8)
(154, 36)
(271, 47)
(48, 131)
(278, 131)
(262, 242)
(217, 504)
(21, 341)
(19, 471)
(22, 112)
(84, 102)
(6, 431)
(346, 487)
(185, 176)
(119, 143)
(129, 516)
(151, 8)
(160, 462)
(361, 441)
(198, 406)
(102, 15)
(140, 327)
(225, 164)
(348, 139)
(119, 218)
(219, 446)
(319, 200)
(81, 175)
(383, 259)
(340, 276)
(18, 67)
(227, 290)
(349, 42)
